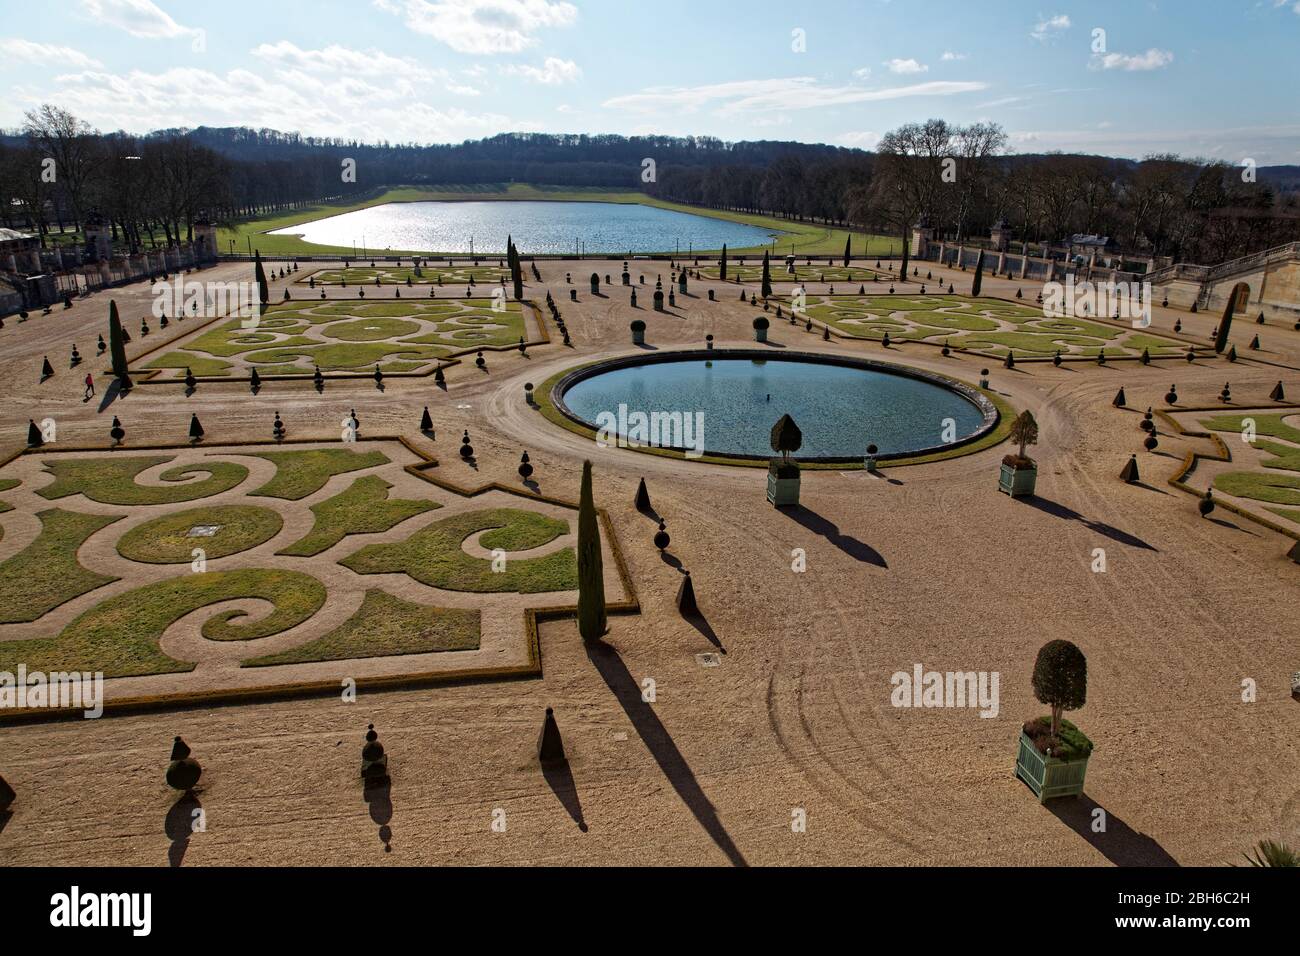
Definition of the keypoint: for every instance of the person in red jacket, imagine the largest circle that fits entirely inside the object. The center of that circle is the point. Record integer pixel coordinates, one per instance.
(90, 388)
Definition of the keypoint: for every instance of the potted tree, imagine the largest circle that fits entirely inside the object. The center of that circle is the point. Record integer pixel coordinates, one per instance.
(783, 472)
(638, 332)
(1019, 473)
(760, 331)
(1053, 757)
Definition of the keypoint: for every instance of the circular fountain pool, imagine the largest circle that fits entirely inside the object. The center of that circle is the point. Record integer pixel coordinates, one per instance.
(726, 404)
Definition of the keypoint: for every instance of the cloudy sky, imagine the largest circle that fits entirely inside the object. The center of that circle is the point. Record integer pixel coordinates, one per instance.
(1214, 78)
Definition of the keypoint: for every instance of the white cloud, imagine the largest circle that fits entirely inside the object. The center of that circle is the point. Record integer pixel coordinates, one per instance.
(458, 89)
(1004, 101)
(140, 18)
(795, 93)
(553, 72)
(1268, 145)
(907, 66)
(45, 55)
(861, 139)
(341, 59)
(863, 73)
(311, 102)
(949, 56)
(1152, 59)
(1050, 27)
(482, 26)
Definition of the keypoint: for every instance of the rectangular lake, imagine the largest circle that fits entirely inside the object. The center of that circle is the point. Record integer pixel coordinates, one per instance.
(538, 227)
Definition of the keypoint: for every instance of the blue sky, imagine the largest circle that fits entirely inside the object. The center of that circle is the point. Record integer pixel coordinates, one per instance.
(1216, 79)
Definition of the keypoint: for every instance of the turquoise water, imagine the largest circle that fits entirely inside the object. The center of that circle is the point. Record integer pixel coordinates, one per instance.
(839, 409)
(539, 228)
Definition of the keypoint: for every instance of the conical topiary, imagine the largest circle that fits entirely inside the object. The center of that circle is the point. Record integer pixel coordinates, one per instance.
(47, 370)
(1278, 394)
(591, 576)
(117, 347)
(34, 437)
(1119, 401)
(196, 429)
(1130, 472)
(550, 746)
(643, 496)
(426, 420)
(686, 603)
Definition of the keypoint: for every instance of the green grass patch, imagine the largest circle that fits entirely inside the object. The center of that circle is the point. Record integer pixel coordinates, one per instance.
(434, 556)
(370, 330)
(302, 473)
(121, 636)
(167, 540)
(111, 481)
(1272, 425)
(5, 485)
(385, 626)
(364, 508)
(46, 573)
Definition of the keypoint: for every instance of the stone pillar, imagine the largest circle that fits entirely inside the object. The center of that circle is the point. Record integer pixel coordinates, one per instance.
(922, 236)
(99, 236)
(1001, 235)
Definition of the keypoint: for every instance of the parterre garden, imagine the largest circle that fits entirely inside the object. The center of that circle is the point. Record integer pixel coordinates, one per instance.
(354, 335)
(1275, 483)
(463, 274)
(104, 553)
(802, 273)
(989, 326)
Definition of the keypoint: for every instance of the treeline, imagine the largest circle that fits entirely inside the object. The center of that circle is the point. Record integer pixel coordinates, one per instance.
(959, 179)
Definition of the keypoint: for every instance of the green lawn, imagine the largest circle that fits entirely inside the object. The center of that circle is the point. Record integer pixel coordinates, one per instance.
(121, 636)
(802, 238)
(364, 508)
(385, 626)
(296, 337)
(409, 275)
(111, 481)
(990, 326)
(1271, 487)
(167, 540)
(434, 556)
(302, 473)
(46, 573)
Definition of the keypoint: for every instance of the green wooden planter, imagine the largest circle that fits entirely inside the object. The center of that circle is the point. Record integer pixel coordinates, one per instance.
(1049, 777)
(1017, 482)
(782, 492)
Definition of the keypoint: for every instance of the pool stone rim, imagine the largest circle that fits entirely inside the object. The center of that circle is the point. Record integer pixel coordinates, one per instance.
(996, 413)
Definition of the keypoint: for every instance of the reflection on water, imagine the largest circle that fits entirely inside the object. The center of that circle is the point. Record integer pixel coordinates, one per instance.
(541, 228)
(839, 409)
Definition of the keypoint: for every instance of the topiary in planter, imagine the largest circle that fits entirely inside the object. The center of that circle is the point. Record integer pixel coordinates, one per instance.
(783, 473)
(1019, 473)
(638, 331)
(1053, 757)
(760, 329)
